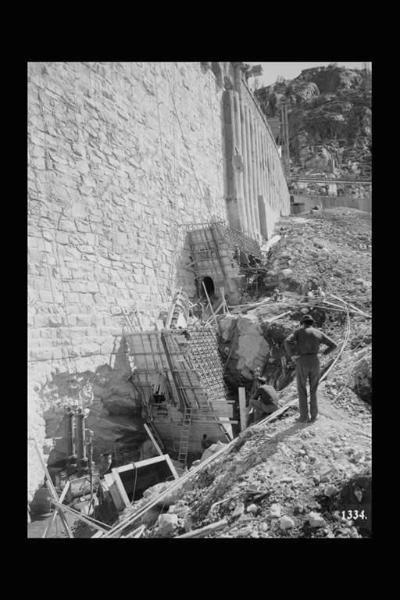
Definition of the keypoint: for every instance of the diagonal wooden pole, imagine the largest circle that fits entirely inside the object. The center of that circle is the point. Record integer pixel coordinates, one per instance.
(52, 491)
(53, 518)
(88, 520)
(209, 302)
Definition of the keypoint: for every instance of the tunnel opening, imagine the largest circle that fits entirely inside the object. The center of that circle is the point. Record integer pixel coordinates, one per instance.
(209, 286)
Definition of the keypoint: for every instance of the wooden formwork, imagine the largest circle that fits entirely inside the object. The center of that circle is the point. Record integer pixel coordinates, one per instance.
(188, 372)
(216, 251)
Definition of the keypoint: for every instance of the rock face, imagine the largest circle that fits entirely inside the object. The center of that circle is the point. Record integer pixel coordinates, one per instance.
(329, 119)
(250, 343)
(361, 378)
(252, 347)
(243, 337)
(113, 403)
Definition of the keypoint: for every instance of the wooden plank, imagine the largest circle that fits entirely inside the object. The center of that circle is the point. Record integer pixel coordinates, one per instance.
(104, 528)
(174, 485)
(150, 461)
(175, 390)
(156, 446)
(120, 486)
(171, 466)
(204, 530)
(97, 534)
(209, 302)
(278, 316)
(113, 489)
(242, 408)
(136, 533)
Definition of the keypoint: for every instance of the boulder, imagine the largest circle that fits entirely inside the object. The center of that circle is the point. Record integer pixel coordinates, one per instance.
(227, 326)
(286, 272)
(166, 524)
(252, 347)
(275, 510)
(330, 490)
(316, 520)
(239, 510)
(286, 523)
(180, 509)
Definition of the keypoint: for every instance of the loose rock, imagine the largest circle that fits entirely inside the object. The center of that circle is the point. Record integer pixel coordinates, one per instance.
(275, 510)
(316, 520)
(286, 523)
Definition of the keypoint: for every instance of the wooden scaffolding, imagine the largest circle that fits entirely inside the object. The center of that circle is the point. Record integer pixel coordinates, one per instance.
(180, 377)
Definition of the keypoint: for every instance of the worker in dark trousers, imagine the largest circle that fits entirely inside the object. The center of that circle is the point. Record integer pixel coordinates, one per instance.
(263, 402)
(303, 346)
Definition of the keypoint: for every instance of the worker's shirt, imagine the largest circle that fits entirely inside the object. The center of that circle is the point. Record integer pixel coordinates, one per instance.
(307, 341)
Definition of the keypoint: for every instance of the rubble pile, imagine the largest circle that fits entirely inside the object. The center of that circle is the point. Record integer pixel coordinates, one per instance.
(283, 478)
(331, 249)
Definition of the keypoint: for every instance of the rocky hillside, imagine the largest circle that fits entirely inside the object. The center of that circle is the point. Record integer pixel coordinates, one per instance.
(329, 111)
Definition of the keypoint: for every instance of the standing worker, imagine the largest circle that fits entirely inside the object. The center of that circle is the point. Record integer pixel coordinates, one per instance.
(264, 401)
(303, 346)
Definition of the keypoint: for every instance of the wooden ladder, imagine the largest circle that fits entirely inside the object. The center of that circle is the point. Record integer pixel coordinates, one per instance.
(185, 436)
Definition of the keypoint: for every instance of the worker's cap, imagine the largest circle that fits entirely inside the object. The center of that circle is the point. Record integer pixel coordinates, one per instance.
(307, 319)
(262, 379)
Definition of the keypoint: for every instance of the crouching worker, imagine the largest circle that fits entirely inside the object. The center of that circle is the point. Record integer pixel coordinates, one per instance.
(205, 442)
(263, 402)
(303, 347)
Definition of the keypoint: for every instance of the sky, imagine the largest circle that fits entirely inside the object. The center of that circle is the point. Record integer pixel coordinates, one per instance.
(289, 70)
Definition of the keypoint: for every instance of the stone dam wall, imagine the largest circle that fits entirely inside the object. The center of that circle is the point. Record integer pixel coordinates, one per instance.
(120, 157)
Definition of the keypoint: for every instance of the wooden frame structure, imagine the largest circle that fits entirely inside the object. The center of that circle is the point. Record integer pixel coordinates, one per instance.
(177, 372)
(116, 476)
(215, 251)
